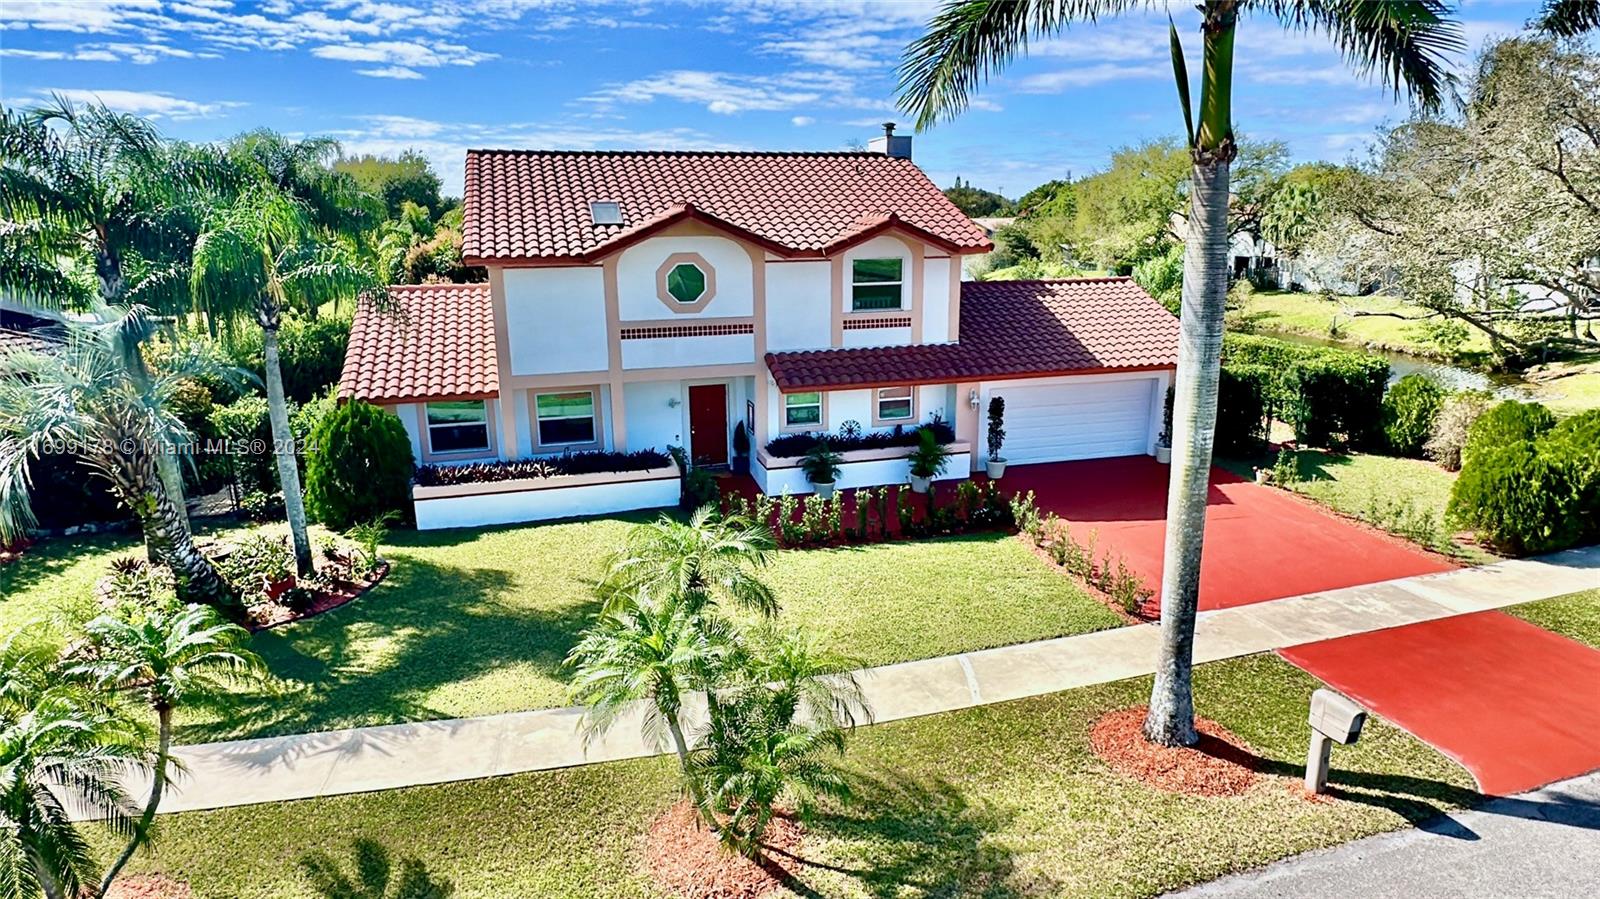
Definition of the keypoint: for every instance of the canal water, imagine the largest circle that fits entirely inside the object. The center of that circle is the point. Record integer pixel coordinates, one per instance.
(1451, 377)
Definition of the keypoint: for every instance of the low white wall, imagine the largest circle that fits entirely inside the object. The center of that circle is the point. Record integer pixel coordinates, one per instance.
(482, 509)
(871, 473)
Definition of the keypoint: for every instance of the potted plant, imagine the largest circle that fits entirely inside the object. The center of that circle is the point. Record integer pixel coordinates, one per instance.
(1164, 442)
(997, 438)
(821, 466)
(928, 460)
(741, 449)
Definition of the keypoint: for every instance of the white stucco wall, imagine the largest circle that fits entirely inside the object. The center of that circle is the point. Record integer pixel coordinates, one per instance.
(636, 278)
(936, 300)
(408, 420)
(557, 320)
(543, 505)
(877, 337)
(798, 296)
(876, 473)
(653, 420)
(514, 407)
(674, 351)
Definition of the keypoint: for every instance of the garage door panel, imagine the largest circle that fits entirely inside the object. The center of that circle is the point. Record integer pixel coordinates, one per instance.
(1056, 422)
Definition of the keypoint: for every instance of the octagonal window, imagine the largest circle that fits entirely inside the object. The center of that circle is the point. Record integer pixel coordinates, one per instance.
(686, 283)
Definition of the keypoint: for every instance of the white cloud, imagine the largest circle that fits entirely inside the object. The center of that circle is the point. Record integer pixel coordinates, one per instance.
(152, 104)
(720, 92)
(400, 73)
(800, 121)
(1087, 76)
(404, 53)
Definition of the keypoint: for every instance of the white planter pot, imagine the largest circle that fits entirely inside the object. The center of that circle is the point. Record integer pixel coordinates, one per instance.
(920, 485)
(996, 469)
(824, 491)
(1164, 455)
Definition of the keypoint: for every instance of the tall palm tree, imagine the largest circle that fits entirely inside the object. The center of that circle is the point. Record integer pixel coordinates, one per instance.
(258, 255)
(1568, 18)
(701, 562)
(1404, 42)
(656, 650)
(96, 207)
(57, 743)
(166, 659)
(84, 398)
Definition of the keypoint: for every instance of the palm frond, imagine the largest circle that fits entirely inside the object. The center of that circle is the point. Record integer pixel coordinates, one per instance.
(1407, 44)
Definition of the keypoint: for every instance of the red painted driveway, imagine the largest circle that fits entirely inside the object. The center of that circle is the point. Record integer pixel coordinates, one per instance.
(1261, 543)
(1516, 705)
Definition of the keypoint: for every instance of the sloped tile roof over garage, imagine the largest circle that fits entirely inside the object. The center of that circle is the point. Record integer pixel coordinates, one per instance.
(436, 344)
(527, 205)
(1009, 329)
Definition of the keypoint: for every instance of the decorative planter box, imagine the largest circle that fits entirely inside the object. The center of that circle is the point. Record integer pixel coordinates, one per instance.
(777, 475)
(541, 499)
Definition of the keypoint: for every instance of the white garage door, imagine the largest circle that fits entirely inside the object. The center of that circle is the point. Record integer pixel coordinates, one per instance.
(1087, 420)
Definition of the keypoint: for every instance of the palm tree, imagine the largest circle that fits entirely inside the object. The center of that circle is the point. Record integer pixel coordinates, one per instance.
(1404, 42)
(97, 206)
(1568, 18)
(56, 739)
(258, 255)
(699, 563)
(654, 650)
(166, 659)
(84, 398)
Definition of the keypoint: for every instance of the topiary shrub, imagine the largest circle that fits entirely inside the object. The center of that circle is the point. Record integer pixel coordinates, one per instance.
(1527, 484)
(358, 467)
(1451, 426)
(1409, 410)
(1509, 422)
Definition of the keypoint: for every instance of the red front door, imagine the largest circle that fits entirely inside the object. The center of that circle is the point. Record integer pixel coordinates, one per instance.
(708, 424)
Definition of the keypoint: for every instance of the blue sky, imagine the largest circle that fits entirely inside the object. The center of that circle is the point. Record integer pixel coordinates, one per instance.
(444, 75)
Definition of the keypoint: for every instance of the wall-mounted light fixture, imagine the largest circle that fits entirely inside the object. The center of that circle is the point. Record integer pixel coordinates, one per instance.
(674, 403)
(972, 397)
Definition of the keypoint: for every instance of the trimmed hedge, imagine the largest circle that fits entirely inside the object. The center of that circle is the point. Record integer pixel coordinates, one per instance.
(1331, 397)
(1528, 485)
(595, 462)
(1242, 408)
(899, 435)
(359, 468)
(1409, 410)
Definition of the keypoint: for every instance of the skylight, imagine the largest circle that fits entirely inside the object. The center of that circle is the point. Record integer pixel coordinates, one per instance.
(606, 212)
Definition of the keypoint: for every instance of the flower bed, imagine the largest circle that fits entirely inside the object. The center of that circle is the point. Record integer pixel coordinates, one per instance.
(870, 515)
(597, 462)
(855, 439)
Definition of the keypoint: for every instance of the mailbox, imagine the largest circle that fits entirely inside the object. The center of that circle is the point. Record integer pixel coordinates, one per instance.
(1336, 717)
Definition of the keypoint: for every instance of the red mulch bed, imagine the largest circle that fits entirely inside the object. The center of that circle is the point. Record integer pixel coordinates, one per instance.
(149, 886)
(685, 858)
(1221, 764)
(274, 615)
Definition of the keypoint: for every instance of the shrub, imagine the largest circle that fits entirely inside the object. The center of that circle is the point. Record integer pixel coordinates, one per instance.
(821, 464)
(262, 507)
(1409, 410)
(1450, 427)
(1504, 424)
(310, 354)
(369, 535)
(700, 487)
(799, 444)
(1286, 470)
(1241, 408)
(257, 562)
(359, 467)
(1527, 485)
(595, 462)
(246, 426)
(997, 427)
(931, 457)
(1330, 396)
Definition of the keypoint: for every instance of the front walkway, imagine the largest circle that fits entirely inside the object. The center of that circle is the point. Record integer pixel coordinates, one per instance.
(378, 758)
(1540, 844)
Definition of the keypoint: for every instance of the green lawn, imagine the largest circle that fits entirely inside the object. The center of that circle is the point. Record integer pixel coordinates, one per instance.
(1372, 488)
(1576, 615)
(1000, 801)
(1310, 315)
(476, 622)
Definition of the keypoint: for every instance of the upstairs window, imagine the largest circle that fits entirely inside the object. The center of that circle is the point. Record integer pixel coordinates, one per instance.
(565, 419)
(802, 410)
(875, 284)
(606, 212)
(686, 283)
(458, 427)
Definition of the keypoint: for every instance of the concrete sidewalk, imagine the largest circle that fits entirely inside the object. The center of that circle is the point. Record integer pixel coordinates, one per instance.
(1540, 844)
(378, 758)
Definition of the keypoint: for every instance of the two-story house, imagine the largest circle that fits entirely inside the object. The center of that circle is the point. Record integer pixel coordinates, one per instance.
(645, 299)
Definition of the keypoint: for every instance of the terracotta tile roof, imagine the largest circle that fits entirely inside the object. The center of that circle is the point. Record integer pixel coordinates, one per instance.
(526, 204)
(28, 341)
(1009, 329)
(438, 344)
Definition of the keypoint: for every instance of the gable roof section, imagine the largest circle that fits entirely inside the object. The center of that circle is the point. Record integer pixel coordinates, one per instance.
(437, 344)
(1009, 329)
(528, 205)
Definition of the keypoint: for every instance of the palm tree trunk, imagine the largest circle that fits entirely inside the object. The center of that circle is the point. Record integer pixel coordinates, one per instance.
(1194, 412)
(158, 783)
(681, 746)
(294, 505)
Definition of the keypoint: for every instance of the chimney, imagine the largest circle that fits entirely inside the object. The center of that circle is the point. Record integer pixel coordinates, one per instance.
(889, 144)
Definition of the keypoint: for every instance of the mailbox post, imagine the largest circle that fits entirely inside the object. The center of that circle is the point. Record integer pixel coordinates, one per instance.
(1334, 718)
